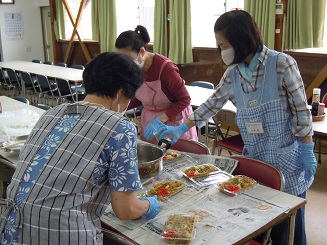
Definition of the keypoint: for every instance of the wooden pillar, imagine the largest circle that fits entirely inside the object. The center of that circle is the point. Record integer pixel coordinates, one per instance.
(55, 45)
(281, 7)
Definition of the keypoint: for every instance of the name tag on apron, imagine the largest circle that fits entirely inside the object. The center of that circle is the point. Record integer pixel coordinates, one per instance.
(254, 128)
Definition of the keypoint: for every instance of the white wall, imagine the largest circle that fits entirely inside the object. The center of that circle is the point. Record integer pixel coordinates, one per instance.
(31, 45)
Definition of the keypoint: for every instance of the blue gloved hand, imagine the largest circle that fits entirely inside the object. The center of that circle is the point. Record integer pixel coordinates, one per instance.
(154, 209)
(175, 131)
(152, 128)
(308, 159)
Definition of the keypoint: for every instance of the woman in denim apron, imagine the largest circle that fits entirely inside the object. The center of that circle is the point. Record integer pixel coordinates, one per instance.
(272, 114)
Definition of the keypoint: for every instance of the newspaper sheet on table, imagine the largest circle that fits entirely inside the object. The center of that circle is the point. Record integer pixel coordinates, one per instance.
(171, 171)
(227, 220)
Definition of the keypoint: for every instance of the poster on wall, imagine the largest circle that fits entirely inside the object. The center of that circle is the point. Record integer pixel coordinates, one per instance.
(13, 26)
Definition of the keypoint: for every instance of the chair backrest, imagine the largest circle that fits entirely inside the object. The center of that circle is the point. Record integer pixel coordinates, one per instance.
(63, 87)
(61, 64)
(203, 84)
(22, 99)
(42, 106)
(26, 77)
(43, 82)
(191, 146)
(2, 76)
(81, 67)
(48, 62)
(37, 61)
(6, 173)
(13, 78)
(225, 118)
(260, 171)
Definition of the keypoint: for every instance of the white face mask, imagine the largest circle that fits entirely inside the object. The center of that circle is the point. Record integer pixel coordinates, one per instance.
(140, 65)
(228, 56)
(118, 105)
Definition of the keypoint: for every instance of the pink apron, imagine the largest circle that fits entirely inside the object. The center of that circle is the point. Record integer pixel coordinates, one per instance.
(155, 102)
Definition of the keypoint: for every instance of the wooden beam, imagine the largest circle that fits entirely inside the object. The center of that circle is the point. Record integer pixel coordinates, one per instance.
(316, 83)
(75, 31)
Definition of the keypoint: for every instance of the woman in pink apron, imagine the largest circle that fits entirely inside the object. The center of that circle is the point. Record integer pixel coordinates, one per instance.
(163, 93)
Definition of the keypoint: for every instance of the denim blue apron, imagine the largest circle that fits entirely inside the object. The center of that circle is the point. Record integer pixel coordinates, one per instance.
(276, 145)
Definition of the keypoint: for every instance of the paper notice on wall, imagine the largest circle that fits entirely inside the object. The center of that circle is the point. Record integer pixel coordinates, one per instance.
(14, 26)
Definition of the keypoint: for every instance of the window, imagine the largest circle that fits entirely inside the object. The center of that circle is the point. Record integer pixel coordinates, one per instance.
(204, 16)
(85, 26)
(325, 29)
(138, 13)
(7, 1)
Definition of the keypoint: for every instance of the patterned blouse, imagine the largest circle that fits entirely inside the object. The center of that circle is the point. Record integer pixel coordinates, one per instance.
(119, 150)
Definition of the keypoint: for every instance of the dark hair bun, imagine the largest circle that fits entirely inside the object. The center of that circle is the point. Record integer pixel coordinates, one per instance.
(143, 32)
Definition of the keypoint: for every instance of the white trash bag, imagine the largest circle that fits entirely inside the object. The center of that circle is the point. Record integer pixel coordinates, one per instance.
(18, 122)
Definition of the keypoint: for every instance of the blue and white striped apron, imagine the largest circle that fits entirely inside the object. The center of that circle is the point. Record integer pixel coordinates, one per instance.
(276, 145)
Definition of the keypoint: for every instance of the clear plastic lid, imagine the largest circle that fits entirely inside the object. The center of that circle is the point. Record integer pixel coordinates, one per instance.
(179, 228)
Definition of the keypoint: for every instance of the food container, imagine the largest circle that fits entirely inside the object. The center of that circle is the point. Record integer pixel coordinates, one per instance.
(197, 171)
(236, 184)
(149, 160)
(166, 188)
(179, 229)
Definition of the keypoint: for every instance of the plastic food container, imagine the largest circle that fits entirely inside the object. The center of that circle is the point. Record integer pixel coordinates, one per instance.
(197, 171)
(166, 188)
(236, 184)
(179, 229)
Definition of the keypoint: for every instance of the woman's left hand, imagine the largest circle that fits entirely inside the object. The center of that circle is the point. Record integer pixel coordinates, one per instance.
(308, 159)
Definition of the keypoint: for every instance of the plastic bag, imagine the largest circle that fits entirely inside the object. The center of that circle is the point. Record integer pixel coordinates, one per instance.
(18, 122)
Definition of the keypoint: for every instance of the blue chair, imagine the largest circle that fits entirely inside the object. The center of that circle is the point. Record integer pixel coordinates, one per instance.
(4, 81)
(43, 106)
(30, 83)
(203, 84)
(22, 99)
(68, 91)
(37, 61)
(61, 64)
(48, 62)
(46, 89)
(210, 128)
(80, 67)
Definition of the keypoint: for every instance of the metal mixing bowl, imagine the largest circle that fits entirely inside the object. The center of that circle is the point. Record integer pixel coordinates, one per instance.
(150, 160)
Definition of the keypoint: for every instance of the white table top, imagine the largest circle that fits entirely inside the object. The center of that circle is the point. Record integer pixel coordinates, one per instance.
(320, 127)
(47, 70)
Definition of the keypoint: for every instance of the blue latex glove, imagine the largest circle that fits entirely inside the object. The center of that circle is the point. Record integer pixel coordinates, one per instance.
(175, 131)
(308, 159)
(152, 128)
(154, 209)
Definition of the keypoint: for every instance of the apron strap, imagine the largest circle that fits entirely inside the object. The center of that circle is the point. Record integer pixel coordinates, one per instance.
(162, 66)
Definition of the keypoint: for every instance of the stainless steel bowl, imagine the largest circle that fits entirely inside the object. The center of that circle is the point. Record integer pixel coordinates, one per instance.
(150, 160)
